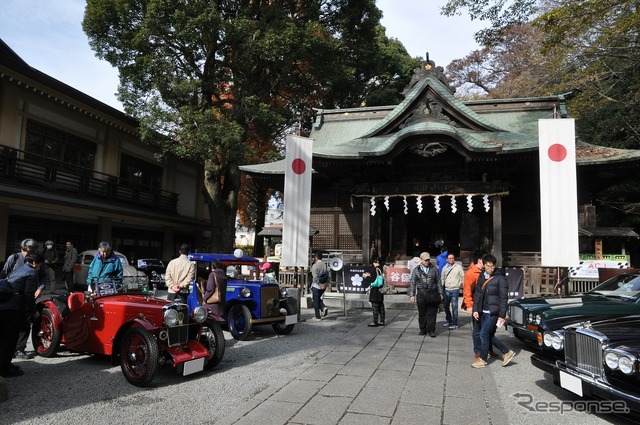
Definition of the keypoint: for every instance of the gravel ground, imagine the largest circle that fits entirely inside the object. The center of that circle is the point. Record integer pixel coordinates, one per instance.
(77, 388)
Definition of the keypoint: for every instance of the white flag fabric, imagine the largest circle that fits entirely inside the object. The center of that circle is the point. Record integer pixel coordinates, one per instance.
(558, 192)
(297, 202)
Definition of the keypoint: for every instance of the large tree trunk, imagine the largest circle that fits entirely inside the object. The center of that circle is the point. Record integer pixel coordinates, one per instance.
(221, 192)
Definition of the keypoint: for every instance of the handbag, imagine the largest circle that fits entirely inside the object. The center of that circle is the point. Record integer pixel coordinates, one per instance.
(215, 297)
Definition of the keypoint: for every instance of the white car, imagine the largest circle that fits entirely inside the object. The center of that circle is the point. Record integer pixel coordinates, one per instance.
(130, 275)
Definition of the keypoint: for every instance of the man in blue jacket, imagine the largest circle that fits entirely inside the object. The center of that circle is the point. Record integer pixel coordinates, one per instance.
(104, 265)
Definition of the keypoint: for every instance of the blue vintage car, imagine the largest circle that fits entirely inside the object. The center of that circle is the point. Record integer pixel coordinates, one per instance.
(249, 302)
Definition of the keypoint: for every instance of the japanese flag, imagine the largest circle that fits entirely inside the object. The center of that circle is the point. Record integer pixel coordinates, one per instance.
(297, 202)
(558, 192)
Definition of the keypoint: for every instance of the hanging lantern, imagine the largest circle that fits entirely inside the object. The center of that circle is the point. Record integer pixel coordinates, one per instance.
(386, 202)
(485, 201)
(453, 204)
(373, 206)
(419, 203)
(406, 206)
(436, 203)
(469, 203)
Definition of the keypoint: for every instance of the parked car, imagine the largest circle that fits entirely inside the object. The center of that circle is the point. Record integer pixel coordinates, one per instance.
(139, 332)
(601, 361)
(248, 302)
(154, 269)
(530, 319)
(130, 274)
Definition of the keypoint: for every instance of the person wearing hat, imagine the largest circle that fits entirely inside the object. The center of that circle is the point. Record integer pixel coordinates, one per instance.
(425, 290)
(268, 275)
(179, 274)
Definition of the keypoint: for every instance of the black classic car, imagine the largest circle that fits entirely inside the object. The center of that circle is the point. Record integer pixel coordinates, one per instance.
(539, 320)
(154, 269)
(601, 361)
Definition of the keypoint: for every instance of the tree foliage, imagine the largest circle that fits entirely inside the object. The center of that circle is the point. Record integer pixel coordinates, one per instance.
(216, 81)
(588, 47)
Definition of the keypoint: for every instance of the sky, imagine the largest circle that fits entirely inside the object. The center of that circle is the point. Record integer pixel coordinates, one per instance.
(47, 34)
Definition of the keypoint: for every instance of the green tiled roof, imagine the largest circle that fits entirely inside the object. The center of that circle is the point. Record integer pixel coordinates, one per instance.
(503, 126)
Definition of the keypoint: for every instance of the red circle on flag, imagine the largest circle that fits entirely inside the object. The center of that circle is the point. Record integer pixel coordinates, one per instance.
(557, 152)
(298, 166)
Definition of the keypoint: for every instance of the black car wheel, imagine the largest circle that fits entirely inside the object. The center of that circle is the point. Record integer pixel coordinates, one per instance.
(139, 356)
(212, 337)
(280, 328)
(45, 337)
(239, 321)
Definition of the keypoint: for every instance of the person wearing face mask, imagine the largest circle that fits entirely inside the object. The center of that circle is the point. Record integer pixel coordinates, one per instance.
(50, 259)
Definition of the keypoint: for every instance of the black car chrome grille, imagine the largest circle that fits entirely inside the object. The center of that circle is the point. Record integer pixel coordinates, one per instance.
(516, 314)
(583, 350)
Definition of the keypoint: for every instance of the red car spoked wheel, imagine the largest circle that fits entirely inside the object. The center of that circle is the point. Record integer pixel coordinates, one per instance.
(45, 337)
(139, 356)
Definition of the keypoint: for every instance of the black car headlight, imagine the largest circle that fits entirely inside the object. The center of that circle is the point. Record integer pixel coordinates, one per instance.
(283, 292)
(199, 314)
(616, 360)
(553, 339)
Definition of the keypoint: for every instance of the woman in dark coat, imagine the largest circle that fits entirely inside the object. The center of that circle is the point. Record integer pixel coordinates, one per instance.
(376, 296)
(217, 279)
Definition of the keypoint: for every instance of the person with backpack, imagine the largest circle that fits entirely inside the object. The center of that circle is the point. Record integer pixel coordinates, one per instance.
(24, 282)
(318, 273)
(15, 262)
(426, 291)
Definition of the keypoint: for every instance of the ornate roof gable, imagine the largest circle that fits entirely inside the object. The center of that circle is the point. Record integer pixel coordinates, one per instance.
(429, 98)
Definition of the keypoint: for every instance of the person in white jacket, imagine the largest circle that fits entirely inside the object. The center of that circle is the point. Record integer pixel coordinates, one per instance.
(452, 279)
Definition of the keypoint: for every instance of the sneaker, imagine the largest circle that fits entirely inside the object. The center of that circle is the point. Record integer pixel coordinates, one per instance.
(381, 324)
(372, 324)
(23, 355)
(325, 311)
(479, 363)
(506, 358)
(432, 334)
(446, 324)
(453, 327)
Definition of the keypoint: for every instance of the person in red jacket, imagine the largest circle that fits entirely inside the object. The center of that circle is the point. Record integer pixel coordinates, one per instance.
(468, 289)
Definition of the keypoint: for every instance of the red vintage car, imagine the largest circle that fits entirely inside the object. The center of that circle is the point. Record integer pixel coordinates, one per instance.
(139, 332)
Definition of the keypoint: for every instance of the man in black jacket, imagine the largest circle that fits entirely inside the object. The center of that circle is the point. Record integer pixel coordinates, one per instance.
(24, 282)
(490, 308)
(426, 290)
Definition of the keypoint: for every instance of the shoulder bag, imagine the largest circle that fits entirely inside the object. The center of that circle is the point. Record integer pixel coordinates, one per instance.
(215, 297)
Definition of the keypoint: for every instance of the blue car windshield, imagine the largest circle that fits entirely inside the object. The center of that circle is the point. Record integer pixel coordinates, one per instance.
(623, 286)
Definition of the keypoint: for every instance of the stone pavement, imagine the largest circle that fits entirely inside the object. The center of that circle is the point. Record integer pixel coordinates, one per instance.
(384, 375)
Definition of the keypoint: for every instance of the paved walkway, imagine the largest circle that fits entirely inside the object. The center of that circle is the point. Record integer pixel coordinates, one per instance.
(384, 375)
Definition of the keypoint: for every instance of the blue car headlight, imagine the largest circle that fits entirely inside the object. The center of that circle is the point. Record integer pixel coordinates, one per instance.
(245, 292)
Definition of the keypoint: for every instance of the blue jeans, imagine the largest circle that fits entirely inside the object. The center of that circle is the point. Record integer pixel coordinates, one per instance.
(318, 304)
(451, 297)
(488, 336)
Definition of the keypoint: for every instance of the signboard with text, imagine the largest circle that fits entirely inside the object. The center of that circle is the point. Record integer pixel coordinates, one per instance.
(354, 279)
(398, 277)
